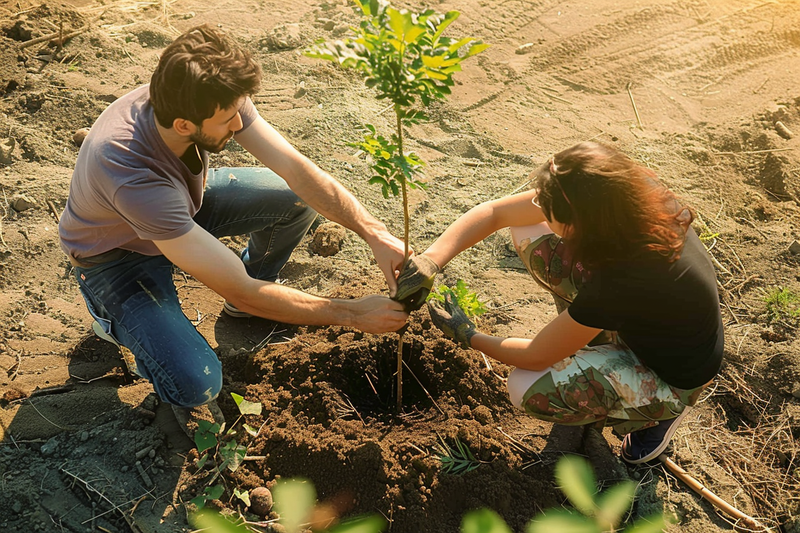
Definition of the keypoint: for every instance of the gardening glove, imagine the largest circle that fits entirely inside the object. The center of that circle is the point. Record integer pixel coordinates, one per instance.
(452, 320)
(415, 282)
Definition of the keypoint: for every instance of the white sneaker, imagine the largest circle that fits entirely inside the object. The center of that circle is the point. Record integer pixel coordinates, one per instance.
(232, 311)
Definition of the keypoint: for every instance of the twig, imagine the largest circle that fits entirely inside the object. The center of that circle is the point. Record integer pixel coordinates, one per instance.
(423, 388)
(114, 507)
(755, 151)
(53, 210)
(51, 36)
(15, 368)
(633, 103)
(715, 500)
(554, 97)
(47, 419)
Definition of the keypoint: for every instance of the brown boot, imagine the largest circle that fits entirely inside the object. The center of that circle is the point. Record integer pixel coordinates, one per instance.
(187, 417)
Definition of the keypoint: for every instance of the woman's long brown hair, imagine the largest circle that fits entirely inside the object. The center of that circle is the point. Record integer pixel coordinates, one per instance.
(616, 208)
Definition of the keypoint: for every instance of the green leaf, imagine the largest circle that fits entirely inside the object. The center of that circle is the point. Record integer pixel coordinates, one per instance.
(206, 435)
(233, 455)
(576, 479)
(242, 495)
(294, 501)
(483, 521)
(245, 407)
(563, 522)
(614, 502)
(476, 49)
(213, 521)
(202, 461)
(458, 44)
(654, 524)
(449, 17)
(368, 524)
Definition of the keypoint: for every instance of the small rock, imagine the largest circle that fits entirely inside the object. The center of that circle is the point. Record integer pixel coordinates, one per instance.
(341, 29)
(49, 447)
(21, 203)
(301, 90)
(526, 48)
(783, 131)
(795, 247)
(329, 25)
(796, 391)
(260, 501)
(6, 148)
(84, 436)
(79, 136)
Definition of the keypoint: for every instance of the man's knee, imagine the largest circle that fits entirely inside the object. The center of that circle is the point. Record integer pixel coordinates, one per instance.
(194, 384)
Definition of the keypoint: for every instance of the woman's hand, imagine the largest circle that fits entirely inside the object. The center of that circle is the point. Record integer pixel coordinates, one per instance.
(415, 282)
(452, 320)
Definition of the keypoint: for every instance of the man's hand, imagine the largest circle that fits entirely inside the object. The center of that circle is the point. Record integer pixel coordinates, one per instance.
(452, 320)
(376, 314)
(389, 252)
(416, 281)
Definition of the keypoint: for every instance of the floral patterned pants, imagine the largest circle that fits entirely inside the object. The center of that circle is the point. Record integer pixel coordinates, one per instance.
(604, 384)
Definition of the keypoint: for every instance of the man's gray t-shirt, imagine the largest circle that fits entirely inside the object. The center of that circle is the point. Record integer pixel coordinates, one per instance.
(128, 188)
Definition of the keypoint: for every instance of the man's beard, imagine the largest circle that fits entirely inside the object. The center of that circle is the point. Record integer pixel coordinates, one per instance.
(207, 143)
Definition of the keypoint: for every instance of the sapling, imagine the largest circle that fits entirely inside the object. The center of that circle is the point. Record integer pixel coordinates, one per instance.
(406, 58)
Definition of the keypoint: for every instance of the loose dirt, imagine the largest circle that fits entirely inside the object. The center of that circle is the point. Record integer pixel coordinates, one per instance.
(695, 89)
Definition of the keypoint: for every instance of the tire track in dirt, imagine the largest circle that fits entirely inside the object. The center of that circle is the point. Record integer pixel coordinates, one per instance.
(682, 47)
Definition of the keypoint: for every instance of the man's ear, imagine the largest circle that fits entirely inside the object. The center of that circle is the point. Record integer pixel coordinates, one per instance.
(184, 127)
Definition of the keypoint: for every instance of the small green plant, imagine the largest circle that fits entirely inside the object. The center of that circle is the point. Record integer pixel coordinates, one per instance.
(457, 459)
(594, 512)
(706, 235)
(296, 503)
(467, 300)
(220, 451)
(783, 306)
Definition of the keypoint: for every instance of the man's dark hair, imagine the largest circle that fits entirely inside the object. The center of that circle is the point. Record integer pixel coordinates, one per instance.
(201, 71)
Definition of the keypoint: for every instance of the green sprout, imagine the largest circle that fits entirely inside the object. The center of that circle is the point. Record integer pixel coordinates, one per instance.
(213, 442)
(467, 300)
(456, 459)
(783, 306)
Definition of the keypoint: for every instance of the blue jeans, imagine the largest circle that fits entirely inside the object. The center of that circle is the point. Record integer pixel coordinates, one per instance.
(135, 301)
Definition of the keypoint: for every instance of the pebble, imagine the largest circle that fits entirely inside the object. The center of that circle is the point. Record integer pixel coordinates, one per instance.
(84, 436)
(526, 48)
(795, 247)
(79, 136)
(20, 203)
(783, 131)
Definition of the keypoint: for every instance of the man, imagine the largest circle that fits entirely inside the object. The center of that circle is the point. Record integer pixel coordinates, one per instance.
(142, 199)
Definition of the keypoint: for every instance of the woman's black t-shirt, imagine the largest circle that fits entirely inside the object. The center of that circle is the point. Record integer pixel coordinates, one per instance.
(667, 313)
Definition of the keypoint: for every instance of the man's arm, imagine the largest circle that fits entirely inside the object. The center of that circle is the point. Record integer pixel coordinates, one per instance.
(322, 192)
(200, 254)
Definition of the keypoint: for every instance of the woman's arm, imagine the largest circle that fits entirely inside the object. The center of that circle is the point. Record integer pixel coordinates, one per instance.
(559, 339)
(483, 220)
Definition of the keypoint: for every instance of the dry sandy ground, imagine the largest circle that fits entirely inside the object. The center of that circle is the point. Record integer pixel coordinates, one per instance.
(695, 89)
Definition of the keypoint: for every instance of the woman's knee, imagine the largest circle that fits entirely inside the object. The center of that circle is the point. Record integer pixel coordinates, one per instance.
(519, 382)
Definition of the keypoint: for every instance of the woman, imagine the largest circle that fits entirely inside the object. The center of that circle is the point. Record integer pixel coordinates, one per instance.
(617, 251)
